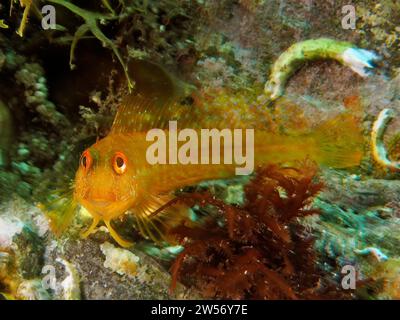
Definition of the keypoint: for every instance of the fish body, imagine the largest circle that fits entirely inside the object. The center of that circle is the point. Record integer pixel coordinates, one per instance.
(116, 173)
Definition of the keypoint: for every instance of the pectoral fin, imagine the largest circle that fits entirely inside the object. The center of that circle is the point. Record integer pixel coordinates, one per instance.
(123, 243)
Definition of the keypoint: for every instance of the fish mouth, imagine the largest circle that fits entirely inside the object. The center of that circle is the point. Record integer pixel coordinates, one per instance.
(97, 206)
(105, 208)
(99, 203)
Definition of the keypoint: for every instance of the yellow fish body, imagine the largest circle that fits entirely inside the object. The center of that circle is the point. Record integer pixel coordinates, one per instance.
(115, 174)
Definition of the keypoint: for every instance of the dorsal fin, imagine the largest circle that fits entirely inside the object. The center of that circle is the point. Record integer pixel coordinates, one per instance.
(138, 113)
(153, 103)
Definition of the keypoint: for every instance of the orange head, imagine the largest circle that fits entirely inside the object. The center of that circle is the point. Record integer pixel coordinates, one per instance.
(105, 182)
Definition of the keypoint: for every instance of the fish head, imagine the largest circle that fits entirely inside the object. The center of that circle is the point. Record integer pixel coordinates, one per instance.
(104, 181)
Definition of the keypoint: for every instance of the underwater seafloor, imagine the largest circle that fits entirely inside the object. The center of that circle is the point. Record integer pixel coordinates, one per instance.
(273, 235)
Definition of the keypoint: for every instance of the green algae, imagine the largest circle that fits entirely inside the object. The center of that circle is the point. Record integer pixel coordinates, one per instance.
(92, 20)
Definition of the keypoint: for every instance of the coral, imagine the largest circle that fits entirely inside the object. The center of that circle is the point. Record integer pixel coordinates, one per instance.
(260, 251)
(31, 76)
(27, 106)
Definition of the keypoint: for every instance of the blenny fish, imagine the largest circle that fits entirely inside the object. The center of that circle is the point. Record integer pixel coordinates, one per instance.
(114, 175)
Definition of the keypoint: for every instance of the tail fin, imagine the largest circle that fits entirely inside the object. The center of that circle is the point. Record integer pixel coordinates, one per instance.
(340, 142)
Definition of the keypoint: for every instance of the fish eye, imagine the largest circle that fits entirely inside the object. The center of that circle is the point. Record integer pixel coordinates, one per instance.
(86, 160)
(120, 162)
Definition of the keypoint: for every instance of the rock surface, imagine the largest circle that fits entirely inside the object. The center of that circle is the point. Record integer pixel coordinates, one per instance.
(38, 266)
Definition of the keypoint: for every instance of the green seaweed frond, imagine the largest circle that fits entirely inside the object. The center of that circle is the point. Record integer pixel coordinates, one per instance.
(26, 4)
(3, 24)
(91, 20)
(106, 3)
(11, 6)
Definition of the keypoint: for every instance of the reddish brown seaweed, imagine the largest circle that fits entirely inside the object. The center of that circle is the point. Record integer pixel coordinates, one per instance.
(261, 251)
